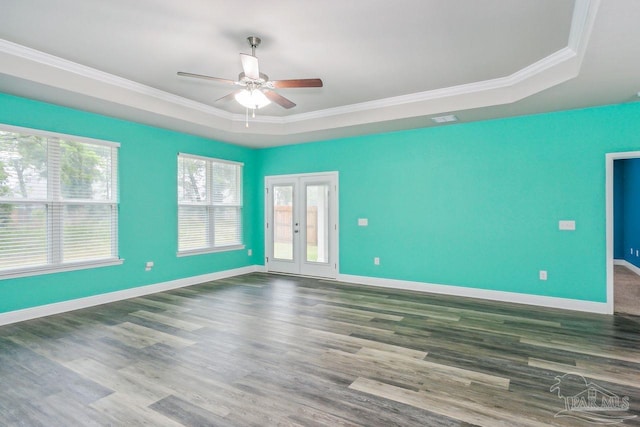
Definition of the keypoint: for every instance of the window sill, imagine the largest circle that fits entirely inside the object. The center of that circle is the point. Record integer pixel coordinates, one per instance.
(60, 268)
(210, 250)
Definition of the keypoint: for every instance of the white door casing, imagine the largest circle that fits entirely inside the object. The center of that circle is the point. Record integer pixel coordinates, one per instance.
(301, 224)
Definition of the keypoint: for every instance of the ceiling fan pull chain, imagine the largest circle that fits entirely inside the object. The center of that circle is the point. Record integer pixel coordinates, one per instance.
(246, 118)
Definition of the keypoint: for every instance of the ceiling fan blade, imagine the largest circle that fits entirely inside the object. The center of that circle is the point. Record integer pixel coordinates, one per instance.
(281, 84)
(250, 66)
(200, 76)
(278, 99)
(228, 97)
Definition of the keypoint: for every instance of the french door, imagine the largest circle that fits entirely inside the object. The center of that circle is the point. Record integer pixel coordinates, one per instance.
(301, 230)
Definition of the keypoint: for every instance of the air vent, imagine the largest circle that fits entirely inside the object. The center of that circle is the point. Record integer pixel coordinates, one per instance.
(445, 119)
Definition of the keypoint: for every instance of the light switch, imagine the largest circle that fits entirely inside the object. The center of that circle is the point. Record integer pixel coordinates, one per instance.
(567, 225)
(363, 222)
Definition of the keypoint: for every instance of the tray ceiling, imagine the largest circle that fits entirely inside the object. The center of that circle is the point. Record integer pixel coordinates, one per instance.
(385, 65)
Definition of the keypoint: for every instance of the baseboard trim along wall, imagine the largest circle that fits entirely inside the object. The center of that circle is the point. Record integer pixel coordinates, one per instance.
(517, 298)
(537, 300)
(79, 303)
(627, 264)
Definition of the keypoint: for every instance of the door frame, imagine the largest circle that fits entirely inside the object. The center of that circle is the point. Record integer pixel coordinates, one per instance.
(336, 232)
(609, 159)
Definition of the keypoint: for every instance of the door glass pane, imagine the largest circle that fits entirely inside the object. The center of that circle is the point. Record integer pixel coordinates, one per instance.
(283, 222)
(317, 223)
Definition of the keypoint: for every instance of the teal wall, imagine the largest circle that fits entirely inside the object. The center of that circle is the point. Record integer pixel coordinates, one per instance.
(473, 205)
(148, 208)
(477, 204)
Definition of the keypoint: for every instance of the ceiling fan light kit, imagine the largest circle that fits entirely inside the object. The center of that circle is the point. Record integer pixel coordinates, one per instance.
(257, 90)
(252, 99)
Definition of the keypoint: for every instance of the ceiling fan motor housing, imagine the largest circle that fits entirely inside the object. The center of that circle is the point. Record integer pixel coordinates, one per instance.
(242, 78)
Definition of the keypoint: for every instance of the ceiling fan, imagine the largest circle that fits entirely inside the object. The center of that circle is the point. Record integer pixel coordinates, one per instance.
(256, 90)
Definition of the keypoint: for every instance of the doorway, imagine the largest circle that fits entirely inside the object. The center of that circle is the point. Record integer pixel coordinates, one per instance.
(301, 224)
(623, 284)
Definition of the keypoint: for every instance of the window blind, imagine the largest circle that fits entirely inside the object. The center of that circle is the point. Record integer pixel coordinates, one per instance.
(58, 201)
(209, 204)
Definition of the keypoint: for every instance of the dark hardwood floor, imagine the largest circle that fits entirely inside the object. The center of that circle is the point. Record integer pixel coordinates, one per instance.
(263, 350)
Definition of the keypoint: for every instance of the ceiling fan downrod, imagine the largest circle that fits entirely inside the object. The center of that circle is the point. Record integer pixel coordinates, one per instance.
(254, 42)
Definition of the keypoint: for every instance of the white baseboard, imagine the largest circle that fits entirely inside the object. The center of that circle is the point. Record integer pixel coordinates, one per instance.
(513, 297)
(79, 303)
(76, 304)
(627, 264)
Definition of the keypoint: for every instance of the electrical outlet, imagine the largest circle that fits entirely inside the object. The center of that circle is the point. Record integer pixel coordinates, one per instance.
(543, 274)
(249, 252)
(376, 261)
(567, 224)
(148, 266)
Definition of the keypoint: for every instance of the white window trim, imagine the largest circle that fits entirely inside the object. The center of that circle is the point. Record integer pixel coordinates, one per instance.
(48, 134)
(202, 251)
(71, 266)
(59, 268)
(211, 159)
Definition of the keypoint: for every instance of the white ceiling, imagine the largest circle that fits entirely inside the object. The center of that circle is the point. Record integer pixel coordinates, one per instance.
(385, 65)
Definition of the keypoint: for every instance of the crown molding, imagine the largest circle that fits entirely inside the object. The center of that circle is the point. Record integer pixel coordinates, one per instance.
(584, 13)
(519, 76)
(549, 71)
(581, 23)
(49, 60)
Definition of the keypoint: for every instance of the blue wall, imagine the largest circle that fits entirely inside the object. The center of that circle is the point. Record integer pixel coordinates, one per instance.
(618, 208)
(630, 195)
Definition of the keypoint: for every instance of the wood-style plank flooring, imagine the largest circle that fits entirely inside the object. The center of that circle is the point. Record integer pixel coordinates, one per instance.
(626, 291)
(266, 350)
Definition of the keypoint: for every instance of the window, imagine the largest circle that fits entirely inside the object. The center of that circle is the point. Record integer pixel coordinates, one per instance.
(58, 202)
(209, 204)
